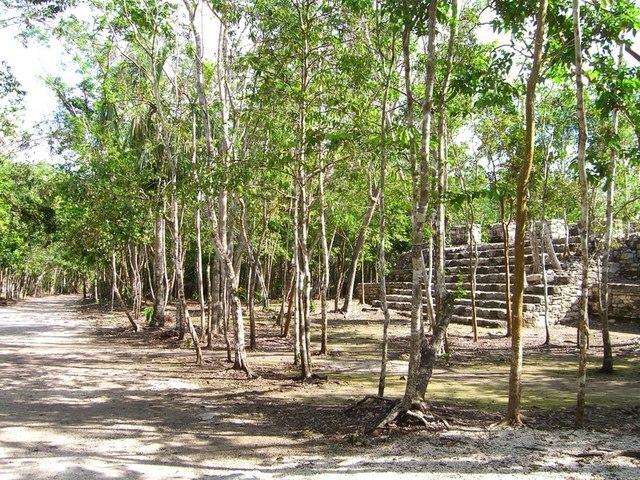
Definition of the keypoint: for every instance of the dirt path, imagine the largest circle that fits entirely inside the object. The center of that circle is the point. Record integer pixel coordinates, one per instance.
(74, 405)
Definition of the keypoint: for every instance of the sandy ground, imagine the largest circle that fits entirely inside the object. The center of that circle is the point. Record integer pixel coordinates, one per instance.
(75, 404)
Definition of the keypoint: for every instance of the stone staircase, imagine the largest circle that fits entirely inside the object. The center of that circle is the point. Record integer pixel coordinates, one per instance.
(562, 287)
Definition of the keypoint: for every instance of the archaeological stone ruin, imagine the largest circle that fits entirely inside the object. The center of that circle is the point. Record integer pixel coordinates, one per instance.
(562, 275)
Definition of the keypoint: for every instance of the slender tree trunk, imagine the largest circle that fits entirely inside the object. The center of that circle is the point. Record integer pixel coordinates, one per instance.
(382, 264)
(219, 217)
(224, 310)
(209, 304)
(535, 248)
(513, 416)
(473, 267)
(199, 272)
(607, 357)
(324, 277)
(420, 175)
(296, 288)
(159, 268)
(547, 331)
(340, 279)
(96, 298)
(251, 290)
(301, 217)
(217, 294)
(583, 329)
(304, 280)
(430, 350)
(507, 267)
(362, 281)
(547, 245)
(182, 311)
(290, 303)
(113, 287)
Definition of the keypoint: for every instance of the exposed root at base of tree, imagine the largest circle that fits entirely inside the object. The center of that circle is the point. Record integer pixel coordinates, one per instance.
(244, 368)
(418, 412)
(517, 422)
(315, 378)
(369, 398)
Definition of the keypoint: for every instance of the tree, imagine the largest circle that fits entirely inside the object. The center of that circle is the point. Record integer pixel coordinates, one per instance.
(515, 376)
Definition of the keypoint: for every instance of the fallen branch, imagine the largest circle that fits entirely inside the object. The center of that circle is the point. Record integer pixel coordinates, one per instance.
(606, 455)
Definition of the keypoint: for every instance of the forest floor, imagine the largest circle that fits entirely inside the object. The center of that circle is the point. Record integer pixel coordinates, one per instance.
(83, 397)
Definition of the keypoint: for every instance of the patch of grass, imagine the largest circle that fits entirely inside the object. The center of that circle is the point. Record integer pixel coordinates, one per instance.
(548, 383)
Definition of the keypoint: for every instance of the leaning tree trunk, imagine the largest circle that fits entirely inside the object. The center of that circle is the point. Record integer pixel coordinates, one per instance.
(182, 311)
(583, 330)
(513, 416)
(116, 292)
(357, 250)
(547, 245)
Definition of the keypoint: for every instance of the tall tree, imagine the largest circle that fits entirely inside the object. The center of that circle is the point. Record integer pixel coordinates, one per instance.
(513, 416)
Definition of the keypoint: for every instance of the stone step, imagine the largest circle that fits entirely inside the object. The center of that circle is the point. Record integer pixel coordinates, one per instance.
(574, 241)
(497, 278)
(403, 297)
(489, 313)
(501, 304)
(405, 275)
(500, 287)
(499, 296)
(482, 322)
(393, 287)
(487, 275)
(483, 299)
(485, 261)
(480, 270)
(496, 254)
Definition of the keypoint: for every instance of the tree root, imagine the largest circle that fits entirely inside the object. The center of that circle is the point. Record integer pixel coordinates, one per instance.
(367, 398)
(314, 378)
(517, 422)
(390, 418)
(418, 411)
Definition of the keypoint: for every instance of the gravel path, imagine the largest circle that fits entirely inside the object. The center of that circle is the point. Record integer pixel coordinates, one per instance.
(75, 407)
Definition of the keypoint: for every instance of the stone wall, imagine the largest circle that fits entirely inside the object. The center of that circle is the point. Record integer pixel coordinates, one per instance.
(557, 227)
(624, 286)
(624, 263)
(459, 234)
(625, 301)
(371, 292)
(495, 232)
